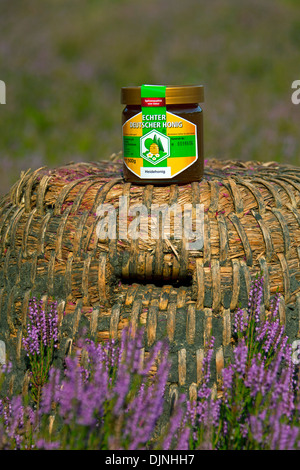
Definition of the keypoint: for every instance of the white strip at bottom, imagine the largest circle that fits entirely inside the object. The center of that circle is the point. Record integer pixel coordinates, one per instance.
(157, 173)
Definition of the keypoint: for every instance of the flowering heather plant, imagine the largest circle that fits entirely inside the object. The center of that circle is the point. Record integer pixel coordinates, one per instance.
(40, 342)
(111, 400)
(107, 398)
(17, 420)
(203, 414)
(259, 407)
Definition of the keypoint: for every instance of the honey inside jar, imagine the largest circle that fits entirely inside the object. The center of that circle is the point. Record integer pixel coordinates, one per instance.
(162, 134)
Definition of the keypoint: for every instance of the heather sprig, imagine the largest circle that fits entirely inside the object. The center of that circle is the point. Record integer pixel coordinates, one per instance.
(203, 413)
(17, 424)
(260, 336)
(40, 341)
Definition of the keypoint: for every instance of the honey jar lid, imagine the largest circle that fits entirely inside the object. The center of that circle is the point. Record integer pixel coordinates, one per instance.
(187, 94)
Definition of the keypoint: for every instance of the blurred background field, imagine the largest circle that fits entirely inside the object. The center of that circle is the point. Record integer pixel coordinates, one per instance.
(64, 62)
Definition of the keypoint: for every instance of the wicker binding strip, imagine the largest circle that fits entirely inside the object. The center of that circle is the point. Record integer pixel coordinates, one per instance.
(49, 247)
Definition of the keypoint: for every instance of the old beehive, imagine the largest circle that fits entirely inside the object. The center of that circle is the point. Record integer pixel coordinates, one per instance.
(50, 247)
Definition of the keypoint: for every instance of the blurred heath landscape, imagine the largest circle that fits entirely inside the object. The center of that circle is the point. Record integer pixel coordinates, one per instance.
(64, 63)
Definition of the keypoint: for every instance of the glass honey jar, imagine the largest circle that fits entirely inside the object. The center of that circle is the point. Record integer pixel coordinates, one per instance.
(162, 130)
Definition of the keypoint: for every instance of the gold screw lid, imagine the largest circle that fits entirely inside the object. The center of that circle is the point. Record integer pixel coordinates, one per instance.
(174, 94)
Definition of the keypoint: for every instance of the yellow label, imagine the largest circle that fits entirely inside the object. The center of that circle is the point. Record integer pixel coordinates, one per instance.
(159, 146)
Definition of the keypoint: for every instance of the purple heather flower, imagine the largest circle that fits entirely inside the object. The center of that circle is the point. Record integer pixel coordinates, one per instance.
(42, 327)
(255, 299)
(240, 324)
(42, 444)
(176, 427)
(240, 357)
(183, 440)
(255, 375)
(15, 418)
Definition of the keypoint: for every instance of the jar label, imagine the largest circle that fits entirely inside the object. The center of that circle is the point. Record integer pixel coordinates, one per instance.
(156, 143)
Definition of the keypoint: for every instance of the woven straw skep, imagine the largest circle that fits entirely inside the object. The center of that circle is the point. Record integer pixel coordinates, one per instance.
(49, 246)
